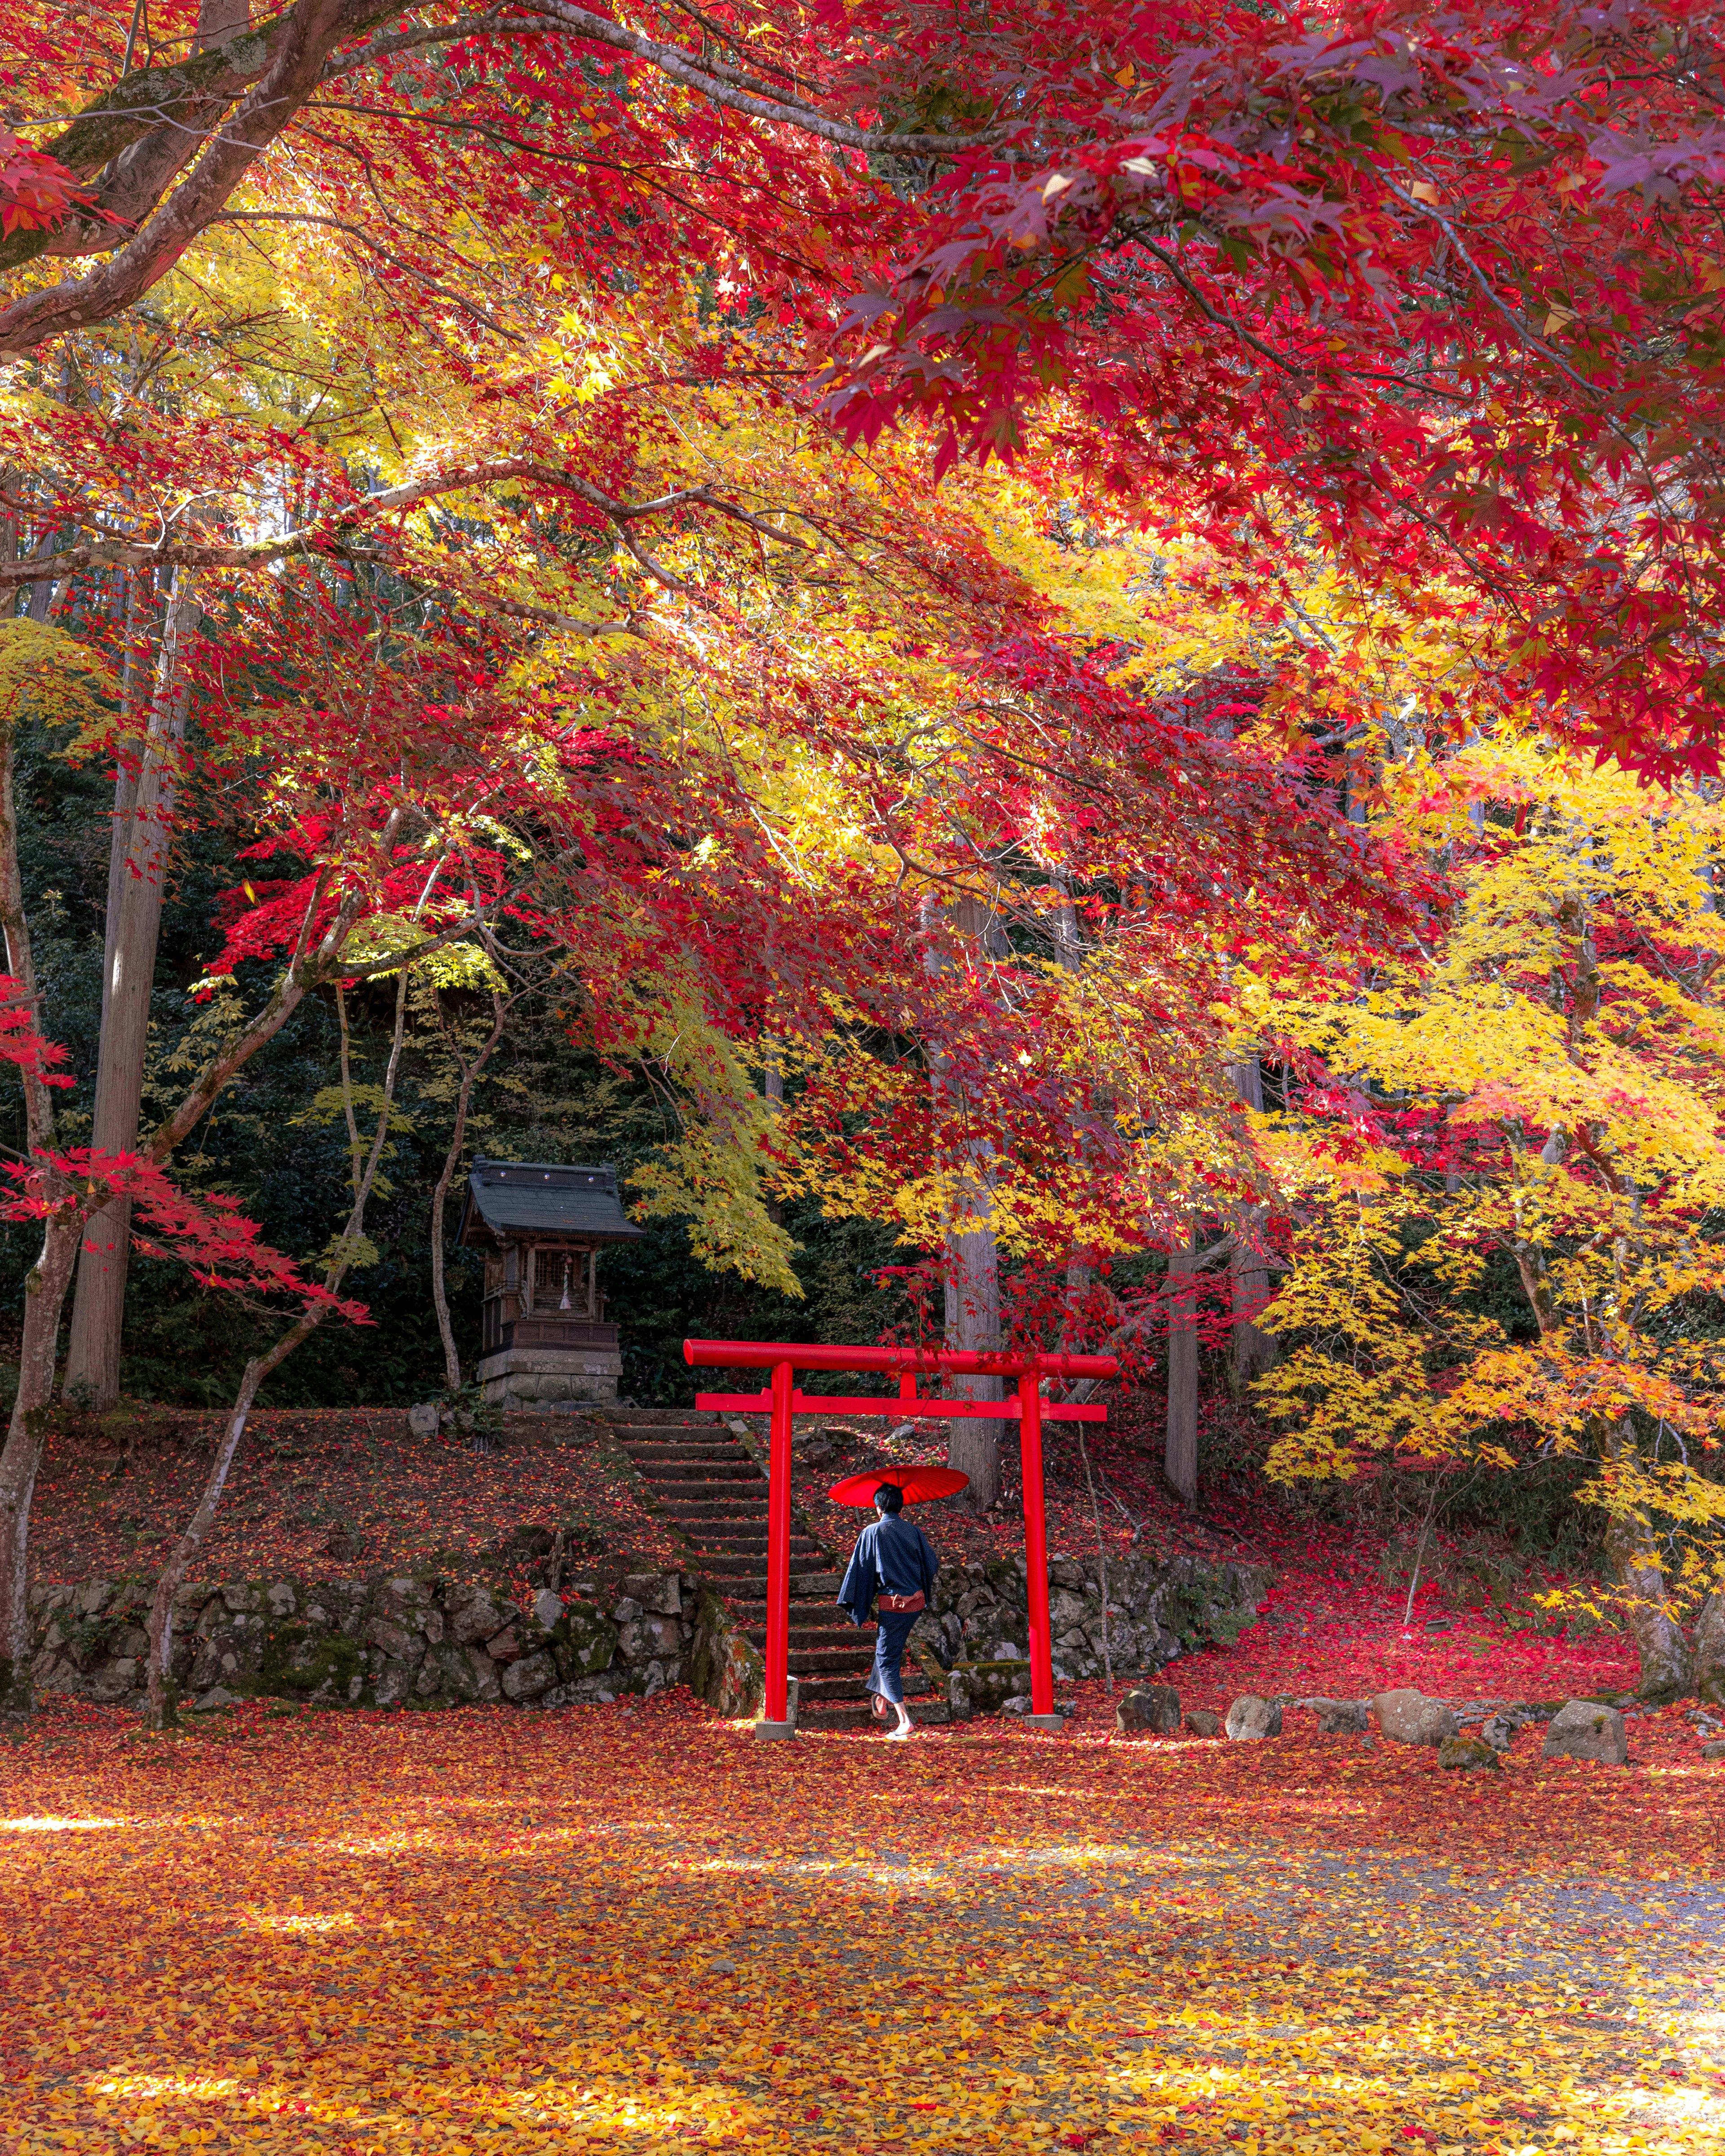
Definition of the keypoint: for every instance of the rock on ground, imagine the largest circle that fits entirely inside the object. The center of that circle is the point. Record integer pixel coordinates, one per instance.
(1410, 1717)
(1468, 1754)
(1340, 1718)
(1584, 1730)
(1250, 1718)
(1204, 1721)
(1153, 1708)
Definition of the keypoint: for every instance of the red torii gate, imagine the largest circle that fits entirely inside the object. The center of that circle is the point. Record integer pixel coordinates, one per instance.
(782, 1400)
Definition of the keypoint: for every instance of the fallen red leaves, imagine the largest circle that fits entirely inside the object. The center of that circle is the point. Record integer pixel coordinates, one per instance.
(407, 1502)
(636, 1929)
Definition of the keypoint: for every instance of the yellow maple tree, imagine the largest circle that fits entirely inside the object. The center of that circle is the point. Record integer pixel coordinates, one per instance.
(1532, 1083)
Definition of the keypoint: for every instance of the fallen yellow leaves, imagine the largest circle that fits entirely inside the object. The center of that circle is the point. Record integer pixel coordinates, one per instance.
(644, 1934)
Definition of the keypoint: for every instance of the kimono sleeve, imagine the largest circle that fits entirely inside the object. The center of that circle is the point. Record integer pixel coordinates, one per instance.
(857, 1589)
(930, 1562)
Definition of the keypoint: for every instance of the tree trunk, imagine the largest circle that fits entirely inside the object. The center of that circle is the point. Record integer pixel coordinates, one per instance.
(973, 1320)
(44, 1299)
(162, 1701)
(773, 1088)
(1068, 956)
(1710, 1651)
(163, 1704)
(970, 1262)
(1248, 1275)
(45, 1288)
(1634, 1556)
(137, 873)
(1180, 1454)
(452, 1161)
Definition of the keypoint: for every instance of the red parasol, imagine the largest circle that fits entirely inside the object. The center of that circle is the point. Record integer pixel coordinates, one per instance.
(919, 1484)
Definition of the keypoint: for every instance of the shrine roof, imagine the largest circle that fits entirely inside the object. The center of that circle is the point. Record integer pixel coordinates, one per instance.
(526, 1200)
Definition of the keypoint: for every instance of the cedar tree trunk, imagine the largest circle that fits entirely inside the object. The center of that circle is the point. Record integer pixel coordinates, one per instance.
(1180, 1456)
(970, 1262)
(1249, 1277)
(137, 872)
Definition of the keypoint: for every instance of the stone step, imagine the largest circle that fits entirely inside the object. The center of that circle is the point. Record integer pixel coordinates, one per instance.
(742, 1541)
(751, 1616)
(843, 1714)
(818, 1634)
(715, 1463)
(753, 1587)
(827, 1661)
(693, 1425)
(715, 1496)
(644, 1455)
(681, 1440)
(808, 1562)
(718, 1557)
(716, 1512)
(718, 1474)
(816, 1690)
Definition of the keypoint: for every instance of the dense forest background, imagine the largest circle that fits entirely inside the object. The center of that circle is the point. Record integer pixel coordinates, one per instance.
(545, 1097)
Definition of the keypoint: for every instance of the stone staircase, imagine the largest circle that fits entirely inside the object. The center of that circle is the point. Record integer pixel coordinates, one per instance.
(709, 1485)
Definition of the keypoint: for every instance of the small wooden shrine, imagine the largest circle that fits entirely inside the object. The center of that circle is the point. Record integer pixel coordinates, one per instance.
(541, 1226)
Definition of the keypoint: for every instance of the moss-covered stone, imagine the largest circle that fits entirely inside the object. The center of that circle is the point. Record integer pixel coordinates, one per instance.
(301, 1661)
(726, 1669)
(583, 1641)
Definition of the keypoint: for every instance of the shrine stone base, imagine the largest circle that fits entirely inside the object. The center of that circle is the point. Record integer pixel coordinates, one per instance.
(536, 1376)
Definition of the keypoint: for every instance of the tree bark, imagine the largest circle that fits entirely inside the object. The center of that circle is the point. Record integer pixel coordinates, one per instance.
(1634, 1557)
(1255, 1349)
(44, 1287)
(44, 1299)
(1663, 1652)
(1180, 1452)
(137, 873)
(1710, 1651)
(452, 1161)
(970, 1262)
(162, 1703)
(1068, 956)
(973, 1320)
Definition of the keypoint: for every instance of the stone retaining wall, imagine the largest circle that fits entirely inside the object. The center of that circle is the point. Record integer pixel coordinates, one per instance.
(978, 1631)
(425, 1641)
(376, 1642)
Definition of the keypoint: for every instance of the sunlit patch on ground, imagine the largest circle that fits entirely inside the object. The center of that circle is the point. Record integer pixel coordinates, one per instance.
(58, 1825)
(584, 1931)
(297, 1920)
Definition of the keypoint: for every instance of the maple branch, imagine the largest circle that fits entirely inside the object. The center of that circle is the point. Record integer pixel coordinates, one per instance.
(1222, 320)
(492, 23)
(571, 624)
(709, 79)
(325, 536)
(302, 41)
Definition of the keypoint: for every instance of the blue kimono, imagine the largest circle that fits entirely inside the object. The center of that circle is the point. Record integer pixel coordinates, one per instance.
(895, 1557)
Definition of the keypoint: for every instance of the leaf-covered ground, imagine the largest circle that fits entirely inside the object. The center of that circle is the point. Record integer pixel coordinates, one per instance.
(638, 1930)
(105, 1513)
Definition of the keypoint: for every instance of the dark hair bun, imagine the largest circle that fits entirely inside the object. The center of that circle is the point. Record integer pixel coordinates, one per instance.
(890, 1497)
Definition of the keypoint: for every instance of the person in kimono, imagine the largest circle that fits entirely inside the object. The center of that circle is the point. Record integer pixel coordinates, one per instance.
(892, 1566)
